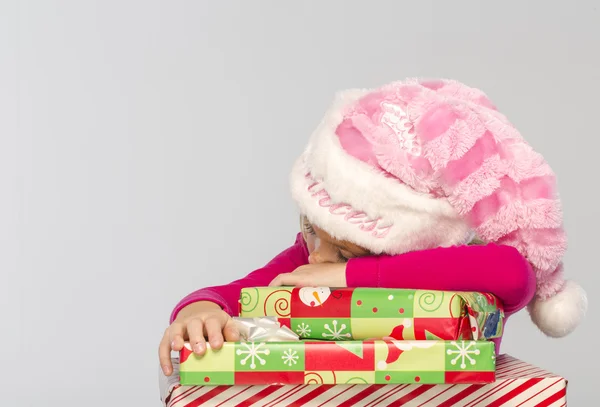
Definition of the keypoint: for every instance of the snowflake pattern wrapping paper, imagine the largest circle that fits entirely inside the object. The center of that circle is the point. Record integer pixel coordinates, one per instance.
(373, 313)
(341, 362)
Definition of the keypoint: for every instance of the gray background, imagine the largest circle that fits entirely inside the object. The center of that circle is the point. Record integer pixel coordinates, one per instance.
(145, 150)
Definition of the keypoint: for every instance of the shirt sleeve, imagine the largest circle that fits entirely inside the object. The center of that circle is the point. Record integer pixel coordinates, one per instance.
(496, 269)
(227, 296)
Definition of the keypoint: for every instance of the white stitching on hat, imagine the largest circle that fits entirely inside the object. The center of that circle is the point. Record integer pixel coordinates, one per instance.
(376, 226)
(398, 121)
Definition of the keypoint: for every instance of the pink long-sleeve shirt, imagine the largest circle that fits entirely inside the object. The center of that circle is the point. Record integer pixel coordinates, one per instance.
(496, 269)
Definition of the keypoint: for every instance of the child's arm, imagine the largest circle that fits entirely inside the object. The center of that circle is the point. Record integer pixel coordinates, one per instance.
(227, 296)
(208, 311)
(496, 269)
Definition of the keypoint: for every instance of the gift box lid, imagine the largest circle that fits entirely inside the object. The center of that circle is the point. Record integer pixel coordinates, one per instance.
(517, 383)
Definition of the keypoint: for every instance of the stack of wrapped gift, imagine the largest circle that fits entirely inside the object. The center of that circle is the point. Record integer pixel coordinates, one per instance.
(318, 335)
(362, 346)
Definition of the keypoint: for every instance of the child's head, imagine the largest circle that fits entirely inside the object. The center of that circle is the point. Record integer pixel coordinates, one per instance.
(420, 164)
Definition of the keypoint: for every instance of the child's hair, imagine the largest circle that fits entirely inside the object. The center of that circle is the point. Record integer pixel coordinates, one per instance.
(476, 241)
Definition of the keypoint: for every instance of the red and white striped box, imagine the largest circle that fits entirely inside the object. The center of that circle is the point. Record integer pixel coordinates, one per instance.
(517, 384)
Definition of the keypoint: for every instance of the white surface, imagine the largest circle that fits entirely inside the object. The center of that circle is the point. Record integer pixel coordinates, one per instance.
(145, 148)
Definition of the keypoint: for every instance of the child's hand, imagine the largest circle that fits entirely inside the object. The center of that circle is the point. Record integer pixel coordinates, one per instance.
(194, 323)
(314, 275)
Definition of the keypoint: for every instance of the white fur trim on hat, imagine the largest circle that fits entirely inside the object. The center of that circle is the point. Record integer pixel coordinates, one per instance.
(354, 202)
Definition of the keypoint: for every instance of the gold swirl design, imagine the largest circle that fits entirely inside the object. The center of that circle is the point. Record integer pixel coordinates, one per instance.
(249, 301)
(430, 301)
(313, 378)
(450, 306)
(278, 302)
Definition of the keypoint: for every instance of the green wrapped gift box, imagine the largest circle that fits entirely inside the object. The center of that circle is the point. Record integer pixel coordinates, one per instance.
(373, 313)
(326, 362)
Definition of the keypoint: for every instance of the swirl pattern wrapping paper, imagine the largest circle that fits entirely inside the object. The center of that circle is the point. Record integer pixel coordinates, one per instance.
(373, 313)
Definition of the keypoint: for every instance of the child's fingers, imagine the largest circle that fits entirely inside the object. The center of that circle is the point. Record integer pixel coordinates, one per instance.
(285, 279)
(214, 327)
(175, 336)
(195, 329)
(280, 280)
(231, 332)
(164, 354)
(176, 333)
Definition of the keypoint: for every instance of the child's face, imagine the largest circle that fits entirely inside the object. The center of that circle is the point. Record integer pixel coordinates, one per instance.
(323, 248)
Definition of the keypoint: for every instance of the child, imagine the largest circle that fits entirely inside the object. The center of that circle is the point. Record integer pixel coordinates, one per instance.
(418, 184)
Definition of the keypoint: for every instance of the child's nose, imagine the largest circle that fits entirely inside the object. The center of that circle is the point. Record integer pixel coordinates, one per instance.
(315, 258)
(323, 254)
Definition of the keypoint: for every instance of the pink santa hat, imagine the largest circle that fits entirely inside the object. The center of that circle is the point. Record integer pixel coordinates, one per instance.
(421, 164)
